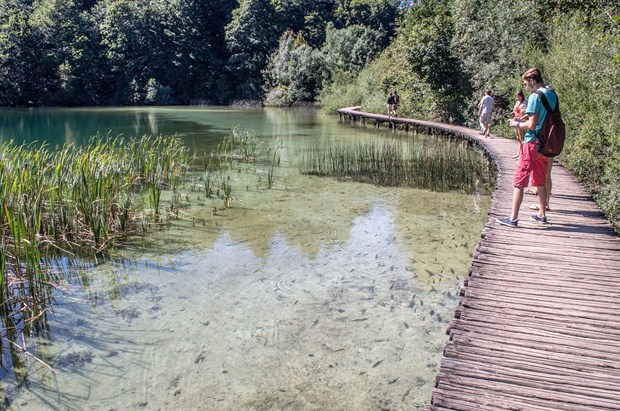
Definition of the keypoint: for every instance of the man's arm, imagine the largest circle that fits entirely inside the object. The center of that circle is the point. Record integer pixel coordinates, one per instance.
(529, 124)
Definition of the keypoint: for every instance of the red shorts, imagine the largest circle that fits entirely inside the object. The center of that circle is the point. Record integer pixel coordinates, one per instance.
(530, 163)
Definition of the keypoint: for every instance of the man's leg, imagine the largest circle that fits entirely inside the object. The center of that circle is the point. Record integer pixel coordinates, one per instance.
(517, 198)
(542, 200)
(548, 183)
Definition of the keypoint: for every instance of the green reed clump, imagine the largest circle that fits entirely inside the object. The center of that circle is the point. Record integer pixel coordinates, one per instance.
(241, 145)
(227, 189)
(242, 148)
(74, 200)
(430, 164)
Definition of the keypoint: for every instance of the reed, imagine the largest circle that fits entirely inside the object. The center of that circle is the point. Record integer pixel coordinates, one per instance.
(208, 185)
(241, 145)
(227, 189)
(270, 178)
(438, 165)
(275, 162)
(74, 200)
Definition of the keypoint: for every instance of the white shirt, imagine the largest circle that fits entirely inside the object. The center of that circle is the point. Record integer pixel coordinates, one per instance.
(486, 104)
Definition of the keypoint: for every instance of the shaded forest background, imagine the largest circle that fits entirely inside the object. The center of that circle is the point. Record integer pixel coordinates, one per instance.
(438, 54)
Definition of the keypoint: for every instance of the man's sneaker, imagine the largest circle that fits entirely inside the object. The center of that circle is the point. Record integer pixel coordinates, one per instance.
(539, 219)
(507, 221)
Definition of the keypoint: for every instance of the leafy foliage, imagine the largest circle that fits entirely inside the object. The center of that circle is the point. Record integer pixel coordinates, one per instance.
(310, 18)
(86, 52)
(381, 15)
(348, 50)
(589, 88)
(23, 57)
(294, 73)
(251, 37)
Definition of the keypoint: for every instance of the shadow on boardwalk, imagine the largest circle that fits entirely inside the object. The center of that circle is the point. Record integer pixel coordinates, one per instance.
(537, 325)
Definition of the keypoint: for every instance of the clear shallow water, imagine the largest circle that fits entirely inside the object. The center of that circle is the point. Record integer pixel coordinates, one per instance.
(313, 295)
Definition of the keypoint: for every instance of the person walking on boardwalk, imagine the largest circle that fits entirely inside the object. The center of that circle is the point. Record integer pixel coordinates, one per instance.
(485, 112)
(390, 104)
(518, 112)
(530, 161)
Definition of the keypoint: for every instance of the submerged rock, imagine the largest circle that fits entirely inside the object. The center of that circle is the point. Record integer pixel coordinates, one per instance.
(75, 359)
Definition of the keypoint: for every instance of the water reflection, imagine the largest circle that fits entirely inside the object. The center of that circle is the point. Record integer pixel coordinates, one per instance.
(200, 127)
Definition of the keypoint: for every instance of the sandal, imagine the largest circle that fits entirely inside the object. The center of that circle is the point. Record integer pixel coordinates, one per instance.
(535, 207)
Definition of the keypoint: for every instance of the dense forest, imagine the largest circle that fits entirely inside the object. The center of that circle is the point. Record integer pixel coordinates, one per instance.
(438, 54)
(128, 52)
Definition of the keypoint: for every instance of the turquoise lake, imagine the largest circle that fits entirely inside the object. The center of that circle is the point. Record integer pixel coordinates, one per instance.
(315, 294)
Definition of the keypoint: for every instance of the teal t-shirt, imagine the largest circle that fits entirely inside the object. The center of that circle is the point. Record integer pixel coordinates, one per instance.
(535, 105)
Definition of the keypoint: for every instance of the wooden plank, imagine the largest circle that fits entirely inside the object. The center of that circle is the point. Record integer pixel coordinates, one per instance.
(436, 408)
(463, 401)
(574, 288)
(582, 330)
(531, 338)
(548, 300)
(496, 392)
(455, 397)
(523, 361)
(576, 266)
(553, 231)
(564, 313)
(529, 268)
(532, 333)
(521, 273)
(568, 382)
(547, 258)
(540, 393)
(542, 252)
(504, 347)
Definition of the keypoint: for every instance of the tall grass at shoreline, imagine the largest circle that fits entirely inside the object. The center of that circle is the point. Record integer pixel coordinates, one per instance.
(420, 163)
(74, 201)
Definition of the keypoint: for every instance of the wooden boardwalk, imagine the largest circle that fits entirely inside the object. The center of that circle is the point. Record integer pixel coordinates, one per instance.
(538, 324)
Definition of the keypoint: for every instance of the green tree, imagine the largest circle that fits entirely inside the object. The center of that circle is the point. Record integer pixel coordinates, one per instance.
(126, 49)
(192, 46)
(380, 15)
(71, 41)
(348, 50)
(251, 37)
(426, 42)
(490, 39)
(156, 93)
(310, 18)
(24, 62)
(294, 73)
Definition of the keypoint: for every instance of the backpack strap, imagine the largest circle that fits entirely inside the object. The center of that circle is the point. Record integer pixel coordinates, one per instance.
(545, 103)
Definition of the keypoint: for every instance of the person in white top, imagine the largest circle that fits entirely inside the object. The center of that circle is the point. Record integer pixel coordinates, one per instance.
(485, 111)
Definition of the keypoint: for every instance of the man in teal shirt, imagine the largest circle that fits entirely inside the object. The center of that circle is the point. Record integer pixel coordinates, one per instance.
(531, 163)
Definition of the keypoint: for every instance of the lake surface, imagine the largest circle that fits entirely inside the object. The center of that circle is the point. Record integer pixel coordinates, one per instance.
(313, 295)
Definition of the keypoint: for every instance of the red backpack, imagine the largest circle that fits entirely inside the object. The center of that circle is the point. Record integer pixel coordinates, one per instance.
(550, 138)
